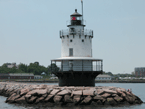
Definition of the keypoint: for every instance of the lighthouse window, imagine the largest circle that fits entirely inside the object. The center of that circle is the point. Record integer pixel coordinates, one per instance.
(70, 51)
(82, 40)
(71, 40)
(78, 18)
(73, 18)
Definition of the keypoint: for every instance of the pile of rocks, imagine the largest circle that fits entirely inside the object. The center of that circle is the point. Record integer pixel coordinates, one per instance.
(55, 95)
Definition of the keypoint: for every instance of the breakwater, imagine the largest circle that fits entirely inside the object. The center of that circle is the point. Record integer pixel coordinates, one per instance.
(52, 95)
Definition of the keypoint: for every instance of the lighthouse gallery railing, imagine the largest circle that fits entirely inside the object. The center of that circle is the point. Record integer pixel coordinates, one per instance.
(55, 67)
(76, 32)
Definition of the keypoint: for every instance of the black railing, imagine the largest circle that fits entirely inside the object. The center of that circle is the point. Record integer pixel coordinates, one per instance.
(60, 68)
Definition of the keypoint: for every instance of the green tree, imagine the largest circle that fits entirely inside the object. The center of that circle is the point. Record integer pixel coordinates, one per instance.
(4, 65)
(22, 67)
(53, 68)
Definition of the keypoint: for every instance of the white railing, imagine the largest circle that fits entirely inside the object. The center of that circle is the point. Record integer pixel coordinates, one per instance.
(76, 32)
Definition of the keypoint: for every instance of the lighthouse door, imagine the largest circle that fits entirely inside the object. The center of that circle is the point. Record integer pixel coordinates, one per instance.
(71, 65)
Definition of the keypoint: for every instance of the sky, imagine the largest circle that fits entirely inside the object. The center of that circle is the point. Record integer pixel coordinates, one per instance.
(29, 31)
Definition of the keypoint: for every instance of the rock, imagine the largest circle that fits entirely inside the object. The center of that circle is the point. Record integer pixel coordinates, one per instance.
(14, 91)
(48, 98)
(110, 101)
(45, 95)
(118, 99)
(121, 89)
(88, 92)
(42, 92)
(76, 93)
(18, 91)
(39, 99)
(57, 98)
(68, 99)
(99, 91)
(42, 86)
(121, 93)
(8, 92)
(37, 92)
(21, 100)
(13, 98)
(105, 95)
(99, 102)
(64, 92)
(33, 92)
(79, 88)
(109, 91)
(87, 100)
(27, 97)
(49, 90)
(94, 104)
(24, 91)
(130, 100)
(98, 97)
(32, 99)
(138, 100)
(54, 92)
(111, 87)
(114, 95)
(7, 100)
(76, 99)
(128, 93)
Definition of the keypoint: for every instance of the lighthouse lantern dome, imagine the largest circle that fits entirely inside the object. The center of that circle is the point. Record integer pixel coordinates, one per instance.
(76, 18)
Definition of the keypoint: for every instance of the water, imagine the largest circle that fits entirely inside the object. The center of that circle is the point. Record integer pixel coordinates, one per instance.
(137, 88)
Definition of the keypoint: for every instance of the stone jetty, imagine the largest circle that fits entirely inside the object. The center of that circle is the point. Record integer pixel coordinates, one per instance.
(52, 95)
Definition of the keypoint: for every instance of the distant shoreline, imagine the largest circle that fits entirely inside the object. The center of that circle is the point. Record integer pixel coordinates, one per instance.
(112, 81)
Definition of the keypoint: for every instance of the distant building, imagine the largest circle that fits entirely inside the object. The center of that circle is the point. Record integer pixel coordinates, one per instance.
(17, 76)
(21, 76)
(43, 73)
(54, 78)
(4, 76)
(140, 71)
(38, 77)
(103, 77)
(52, 75)
(11, 65)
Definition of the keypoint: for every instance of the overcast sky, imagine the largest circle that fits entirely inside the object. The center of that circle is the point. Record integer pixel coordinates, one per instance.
(29, 31)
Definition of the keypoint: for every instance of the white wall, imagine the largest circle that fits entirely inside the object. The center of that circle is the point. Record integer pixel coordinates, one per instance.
(80, 49)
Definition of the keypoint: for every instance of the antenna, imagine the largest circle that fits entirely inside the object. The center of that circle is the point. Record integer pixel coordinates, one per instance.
(82, 11)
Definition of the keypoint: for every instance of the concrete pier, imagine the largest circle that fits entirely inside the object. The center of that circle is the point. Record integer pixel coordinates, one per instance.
(52, 95)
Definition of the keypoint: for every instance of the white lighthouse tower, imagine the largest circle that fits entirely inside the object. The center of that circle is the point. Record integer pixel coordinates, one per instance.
(76, 65)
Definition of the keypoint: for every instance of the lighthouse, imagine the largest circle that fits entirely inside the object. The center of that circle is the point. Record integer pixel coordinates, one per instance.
(76, 66)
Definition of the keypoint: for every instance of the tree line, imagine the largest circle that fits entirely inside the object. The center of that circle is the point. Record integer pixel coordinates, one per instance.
(34, 68)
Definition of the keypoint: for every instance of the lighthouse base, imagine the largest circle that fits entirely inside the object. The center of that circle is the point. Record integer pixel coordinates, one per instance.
(77, 78)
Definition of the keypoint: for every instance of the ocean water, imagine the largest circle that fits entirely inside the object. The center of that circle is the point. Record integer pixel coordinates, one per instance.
(137, 88)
